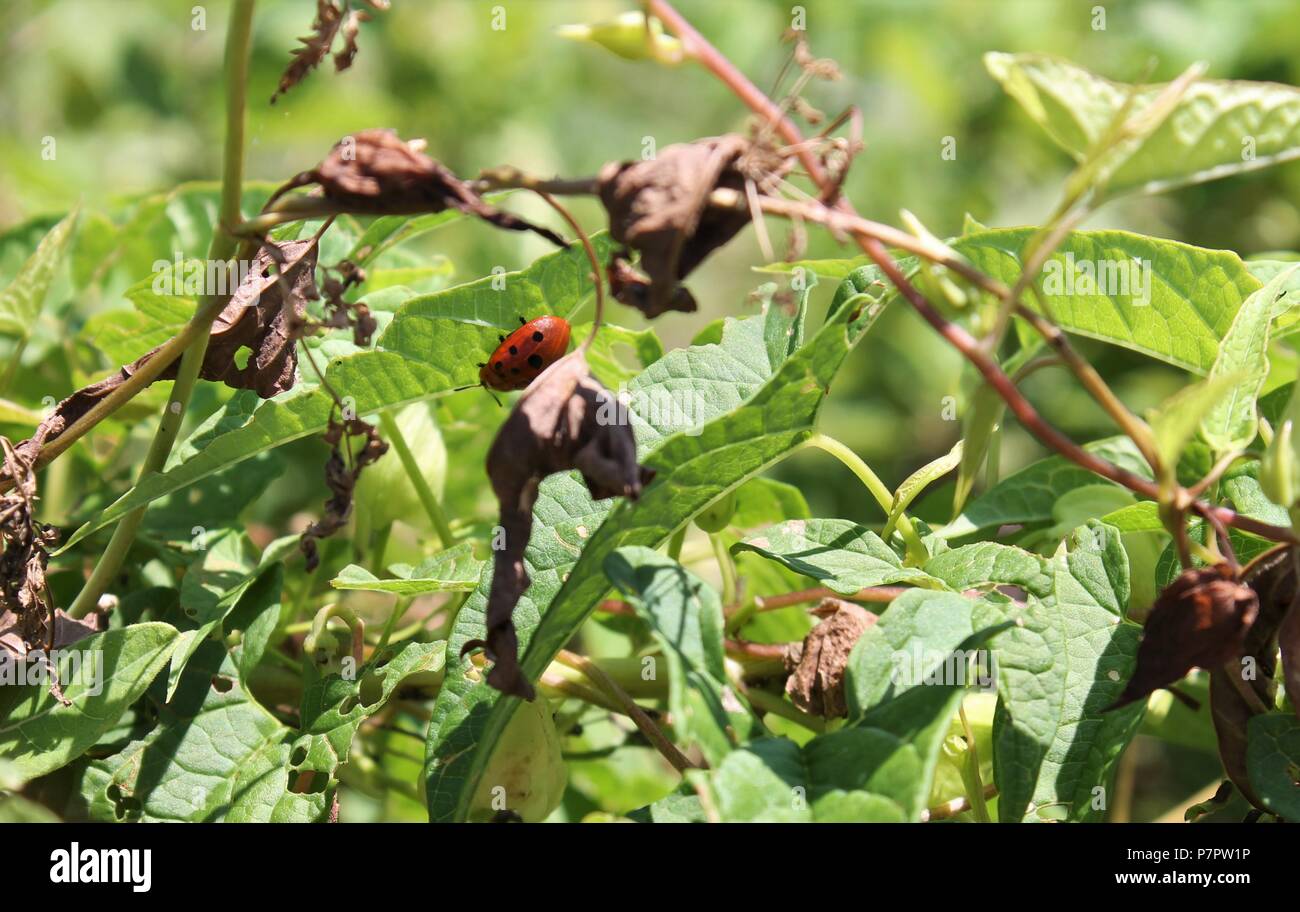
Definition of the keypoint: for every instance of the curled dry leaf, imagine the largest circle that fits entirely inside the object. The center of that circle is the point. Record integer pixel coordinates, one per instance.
(333, 19)
(816, 666)
(24, 597)
(565, 420)
(659, 207)
(375, 172)
(1200, 620)
(341, 474)
(1243, 688)
(261, 316)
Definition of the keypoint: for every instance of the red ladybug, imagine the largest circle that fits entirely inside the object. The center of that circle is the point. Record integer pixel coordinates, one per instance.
(525, 353)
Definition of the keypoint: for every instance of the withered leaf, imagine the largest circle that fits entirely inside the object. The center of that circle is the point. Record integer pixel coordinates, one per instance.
(259, 317)
(315, 46)
(565, 420)
(816, 665)
(1273, 577)
(351, 26)
(24, 596)
(659, 207)
(375, 172)
(1199, 620)
(341, 474)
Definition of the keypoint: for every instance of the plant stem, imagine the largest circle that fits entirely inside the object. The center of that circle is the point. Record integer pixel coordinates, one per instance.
(970, 773)
(915, 548)
(222, 247)
(675, 544)
(726, 567)
(388, 424)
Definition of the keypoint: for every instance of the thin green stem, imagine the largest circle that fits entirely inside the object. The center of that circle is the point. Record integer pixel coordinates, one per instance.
(222, 248)
(399, 609)
(915, 547)
(970, 773)
(726, 567)
(388, 424)
(675, 544)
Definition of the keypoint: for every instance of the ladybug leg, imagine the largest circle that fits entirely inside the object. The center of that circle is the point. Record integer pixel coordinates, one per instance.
(522, 321)
(501, 338)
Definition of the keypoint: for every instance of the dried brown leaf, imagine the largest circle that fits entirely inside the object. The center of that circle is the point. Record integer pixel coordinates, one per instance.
(565, 420)
(342, 470)
(816, 665)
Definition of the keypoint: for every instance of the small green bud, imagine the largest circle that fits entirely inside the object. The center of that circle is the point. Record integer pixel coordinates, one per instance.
(628, 36)
(1278, 467)
(716, 516)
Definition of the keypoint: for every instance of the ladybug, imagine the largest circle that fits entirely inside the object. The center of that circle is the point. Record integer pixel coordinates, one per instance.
(525, 353)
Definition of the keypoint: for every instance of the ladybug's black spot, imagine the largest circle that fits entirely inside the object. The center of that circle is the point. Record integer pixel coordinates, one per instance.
(535, 362)
(500, 366)
(537, 336)
(513, 350)
(514, 370)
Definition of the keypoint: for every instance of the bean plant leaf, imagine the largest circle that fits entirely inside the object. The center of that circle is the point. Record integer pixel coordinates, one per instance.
(1058, 670)
(453, 570)
(1273, 762)
(1203, 138)
(837, 553)
(685, 617)
(918, 481)
(173, 774)
(21, 301)
(729, 443)
(39, 733)
(1231, 422)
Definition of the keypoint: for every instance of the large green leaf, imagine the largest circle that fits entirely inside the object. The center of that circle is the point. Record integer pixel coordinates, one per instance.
(748, 420)
(1216, 129)
(39, 733)
(1065, 662)
(22, 299)
(685, 616)
(173, 773)
(838, 553)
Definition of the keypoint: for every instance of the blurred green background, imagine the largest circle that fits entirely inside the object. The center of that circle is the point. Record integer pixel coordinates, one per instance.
(130, 93)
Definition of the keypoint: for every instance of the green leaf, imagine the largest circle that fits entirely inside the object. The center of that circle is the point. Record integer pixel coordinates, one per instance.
(22, 300)
(174, 774)
(1273, 762)
(334, 707)
(557, 283)
(1029, 496)
(606, 353)
(984, 563)
(1065, 662)
(39, 734)
(1203, 138)
(1231, 421)
(750, 419)
(685, 617)
(1178, 418)
(453, 570)
(912, 639)
(838, 553)
(917, 482)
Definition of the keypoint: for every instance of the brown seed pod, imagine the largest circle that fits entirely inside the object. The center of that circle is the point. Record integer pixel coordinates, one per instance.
(565, 420)
(1200, 620)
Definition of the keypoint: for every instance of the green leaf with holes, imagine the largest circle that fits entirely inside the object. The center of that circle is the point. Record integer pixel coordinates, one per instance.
(39, 733)
(172, 773)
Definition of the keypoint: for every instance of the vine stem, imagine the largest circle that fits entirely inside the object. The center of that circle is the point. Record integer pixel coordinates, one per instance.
(388, 424)
(712, 59)
(647, 726)
(223, 247)
(885, 497)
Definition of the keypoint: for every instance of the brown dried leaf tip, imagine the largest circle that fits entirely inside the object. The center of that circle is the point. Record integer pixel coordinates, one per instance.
(375, 172)
(342, 470)
(565, 420)
(816, 666)
(332, 19)
(659, 207)
(1200, 620)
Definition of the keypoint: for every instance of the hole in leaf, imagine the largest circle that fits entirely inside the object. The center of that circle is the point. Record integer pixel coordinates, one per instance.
(222, 684)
